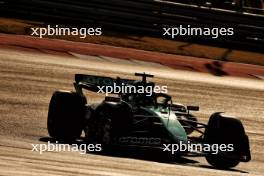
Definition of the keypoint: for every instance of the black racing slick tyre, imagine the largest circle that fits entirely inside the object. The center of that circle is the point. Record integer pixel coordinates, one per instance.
(229, 131)
(66, 115)
(221, 162)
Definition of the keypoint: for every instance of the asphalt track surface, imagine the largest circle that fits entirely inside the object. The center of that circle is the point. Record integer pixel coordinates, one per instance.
(28, 77)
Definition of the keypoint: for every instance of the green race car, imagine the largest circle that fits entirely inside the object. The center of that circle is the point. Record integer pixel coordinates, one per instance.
(147, 118)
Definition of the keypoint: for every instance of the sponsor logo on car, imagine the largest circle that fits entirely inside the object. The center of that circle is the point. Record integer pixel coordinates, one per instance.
(140, 140)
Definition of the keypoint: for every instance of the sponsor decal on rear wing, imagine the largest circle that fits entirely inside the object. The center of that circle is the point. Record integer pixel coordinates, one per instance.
(98, 81)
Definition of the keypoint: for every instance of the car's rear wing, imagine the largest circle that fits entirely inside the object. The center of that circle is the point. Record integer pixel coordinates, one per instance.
(93, 82)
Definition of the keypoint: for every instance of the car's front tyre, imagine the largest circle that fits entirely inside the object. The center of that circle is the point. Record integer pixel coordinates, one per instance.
(226, 130)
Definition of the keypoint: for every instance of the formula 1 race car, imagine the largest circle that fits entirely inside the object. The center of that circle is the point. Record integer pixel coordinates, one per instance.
(147, 119)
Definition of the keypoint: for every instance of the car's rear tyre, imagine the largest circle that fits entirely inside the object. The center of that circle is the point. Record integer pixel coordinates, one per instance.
(225, 130)
(66, 116)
